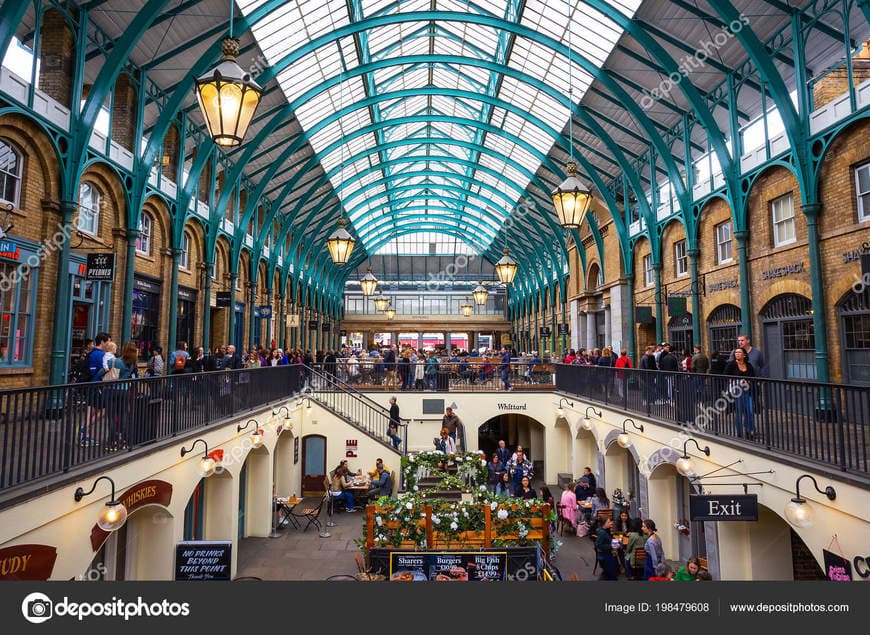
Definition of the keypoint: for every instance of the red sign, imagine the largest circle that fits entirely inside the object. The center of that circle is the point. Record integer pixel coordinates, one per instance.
(142, 494)
(27, 562)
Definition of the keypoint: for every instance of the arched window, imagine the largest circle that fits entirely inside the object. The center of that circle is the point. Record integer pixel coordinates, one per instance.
(787, 325)
(143, 240)
(854, 313)
(593, 278)
(10, 173)
(724, 323)
(89, 209)
(185, 252)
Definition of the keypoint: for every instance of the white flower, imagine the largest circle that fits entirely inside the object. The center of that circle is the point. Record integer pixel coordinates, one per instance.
(483, 488)
(493, 505)
(502, 514)
(482, 463)
(379, 520)
(454, 526)
(408, 505)
(416, 488)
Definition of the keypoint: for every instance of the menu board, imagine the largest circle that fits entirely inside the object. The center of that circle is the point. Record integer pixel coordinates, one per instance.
(440, 566)
(203, 560)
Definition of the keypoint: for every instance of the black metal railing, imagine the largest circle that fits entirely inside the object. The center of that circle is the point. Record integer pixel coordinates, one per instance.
(829, 423)
(49, 430)
(357, 408)
(475, 376)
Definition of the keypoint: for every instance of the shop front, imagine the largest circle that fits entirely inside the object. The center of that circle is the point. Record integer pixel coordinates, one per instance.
(186, 316)
(723, 326)
(145, 319)
(787, 326)
(680, 334)
(19, 277)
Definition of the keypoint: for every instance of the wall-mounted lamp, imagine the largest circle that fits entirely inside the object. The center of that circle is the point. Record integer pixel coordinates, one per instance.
(797, 511)
(288, 422)
(114, 514)
(307, 405)
(207, 464)
(586, 423)
(684, 464)
(624, 440)
(560, 410)
(256, 436)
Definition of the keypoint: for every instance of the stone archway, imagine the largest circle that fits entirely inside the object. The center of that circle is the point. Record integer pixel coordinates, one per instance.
(515, 429)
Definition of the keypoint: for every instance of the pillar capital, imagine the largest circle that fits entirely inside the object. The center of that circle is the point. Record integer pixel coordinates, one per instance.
(811, 210)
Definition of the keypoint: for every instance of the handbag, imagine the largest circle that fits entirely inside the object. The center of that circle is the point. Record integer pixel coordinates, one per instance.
(113, 373)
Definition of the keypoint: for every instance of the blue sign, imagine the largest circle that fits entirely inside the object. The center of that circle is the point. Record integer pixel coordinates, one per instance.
(265, 310)
(9, 250)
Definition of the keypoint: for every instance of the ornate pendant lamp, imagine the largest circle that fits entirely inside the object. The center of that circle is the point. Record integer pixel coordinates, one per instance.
(506, 267)
(368, 283)
(480, 294)
(340, 244)
(467, 308)
(381, 303)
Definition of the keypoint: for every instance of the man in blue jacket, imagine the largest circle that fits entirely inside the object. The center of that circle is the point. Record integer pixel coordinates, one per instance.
(505, 367)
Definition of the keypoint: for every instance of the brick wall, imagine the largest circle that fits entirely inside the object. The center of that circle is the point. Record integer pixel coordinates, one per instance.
(124, 112)
(57, 48)
(836, 82)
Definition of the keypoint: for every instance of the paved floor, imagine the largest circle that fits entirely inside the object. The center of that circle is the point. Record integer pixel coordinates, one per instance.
(304, 555)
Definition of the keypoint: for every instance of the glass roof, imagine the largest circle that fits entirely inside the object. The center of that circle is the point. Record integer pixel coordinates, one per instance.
(446, 130)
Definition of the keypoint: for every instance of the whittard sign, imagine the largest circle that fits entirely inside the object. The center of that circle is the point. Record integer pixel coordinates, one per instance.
(724, 507)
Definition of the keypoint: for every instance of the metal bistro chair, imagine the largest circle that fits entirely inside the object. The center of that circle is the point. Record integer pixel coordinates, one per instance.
(310, 512)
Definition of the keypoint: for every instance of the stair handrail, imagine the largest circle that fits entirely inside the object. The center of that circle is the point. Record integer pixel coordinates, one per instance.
(346, 387)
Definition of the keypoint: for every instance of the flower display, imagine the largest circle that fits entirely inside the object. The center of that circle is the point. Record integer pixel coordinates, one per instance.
(471, 467)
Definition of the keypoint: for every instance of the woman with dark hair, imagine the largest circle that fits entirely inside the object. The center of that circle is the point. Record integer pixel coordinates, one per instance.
(655, 553)
(599, 501)
(495, 468)
(635, 542)
(504, 487)
(525, 490)
(622, 525)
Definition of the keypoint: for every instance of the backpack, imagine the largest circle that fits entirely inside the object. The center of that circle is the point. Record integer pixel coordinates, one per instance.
(149, 368)
(81, 372)
(180, 363)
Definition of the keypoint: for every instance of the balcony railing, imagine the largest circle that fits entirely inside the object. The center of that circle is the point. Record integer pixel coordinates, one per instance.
(49, 430)
(828, 423)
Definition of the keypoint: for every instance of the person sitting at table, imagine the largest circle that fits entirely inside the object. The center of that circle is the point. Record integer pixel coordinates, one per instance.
(623, 524)
(583, 489)
(689, 571)
(635, 542)
(382, 482)
(664, 573)
(445, 444)
(599, 501)
(604, 551)
(519, 466)
(341, 485)
(569, 504)
(525, 490)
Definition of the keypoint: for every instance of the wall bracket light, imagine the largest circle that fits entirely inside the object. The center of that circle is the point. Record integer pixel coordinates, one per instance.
(586, 422)
(684, 463)
(561, 411)
(797, 511)
(256, 435)
(207, 464)
(288, 421)
(114, 514)
(624, 439)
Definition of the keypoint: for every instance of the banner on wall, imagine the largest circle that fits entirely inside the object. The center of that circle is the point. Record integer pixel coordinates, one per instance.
(27, 562)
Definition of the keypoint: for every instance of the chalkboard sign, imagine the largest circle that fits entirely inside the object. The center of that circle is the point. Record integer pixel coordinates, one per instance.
(203, 560)
(448, 567)
(837, 568)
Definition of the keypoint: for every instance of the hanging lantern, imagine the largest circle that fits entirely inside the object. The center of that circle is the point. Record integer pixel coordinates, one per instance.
(480, 294)
(381, 303)
(571, 199)
(340, 244)
(467, 308)
(368, 283)
(390, 313)
(506, 268)
(228, 98)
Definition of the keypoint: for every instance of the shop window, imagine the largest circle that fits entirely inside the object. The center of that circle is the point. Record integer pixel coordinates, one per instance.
(16, 314)
(862, 186)
(184, 262)
(724, 323)
(89, 209)
(143, 240)
(10, 173)
(854, 312)
(681, 258)
(145, 317)
(723, 242)
(648, 277)
(788, 327)
(782, 212)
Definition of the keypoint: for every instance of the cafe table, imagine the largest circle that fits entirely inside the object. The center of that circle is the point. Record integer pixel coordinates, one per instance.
(359, 489)
(285, 507)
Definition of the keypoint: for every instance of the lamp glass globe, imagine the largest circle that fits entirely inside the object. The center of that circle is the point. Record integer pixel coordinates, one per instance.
(799, 513)
(288, 424)
(256, 439)
(112, 517)
(587, 423)
(206, 466)
(624, 440)
(685, 466)
(560, 412)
